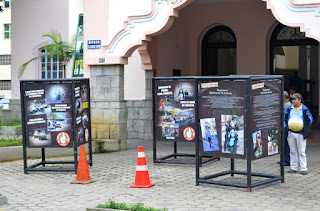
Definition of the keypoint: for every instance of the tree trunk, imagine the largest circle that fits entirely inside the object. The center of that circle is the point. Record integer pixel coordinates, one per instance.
(63, 70)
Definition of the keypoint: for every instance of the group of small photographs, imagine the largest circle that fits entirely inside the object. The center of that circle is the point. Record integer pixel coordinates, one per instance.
(170, 130)
(79, 106)
(82, 117)
(85, 119)
(58, 121)
(183, 91)
(80, 136)
(257, 144)
(81, 103)
(84, 93)
(232, 134)
(209, 134)
(39, 137)
(273, 141)
(36, 107)
(173, 112)
(183, 117)
(57, 94)
(177, 117)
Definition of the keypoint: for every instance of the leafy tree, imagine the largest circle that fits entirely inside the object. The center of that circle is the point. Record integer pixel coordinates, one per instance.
(63, 51)
(53, 116)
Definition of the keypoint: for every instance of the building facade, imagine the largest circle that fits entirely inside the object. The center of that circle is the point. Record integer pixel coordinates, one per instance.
(32, 19)
(182, 37)
(5, 50)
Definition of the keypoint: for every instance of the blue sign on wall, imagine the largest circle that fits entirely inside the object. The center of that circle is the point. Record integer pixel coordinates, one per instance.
(94, 44)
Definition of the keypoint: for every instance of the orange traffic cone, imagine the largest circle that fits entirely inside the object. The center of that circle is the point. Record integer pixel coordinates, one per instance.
(142, 175)
(83, 176)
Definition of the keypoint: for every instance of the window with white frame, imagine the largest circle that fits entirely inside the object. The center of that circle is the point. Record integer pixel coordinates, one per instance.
(5, 59)
(7, 3)
(7, 31)
(50, 68)
(5, 85)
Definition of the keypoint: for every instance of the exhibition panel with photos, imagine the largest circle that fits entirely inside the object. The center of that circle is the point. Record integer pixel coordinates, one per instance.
(240, 117)
(56, 114)
(174, 116)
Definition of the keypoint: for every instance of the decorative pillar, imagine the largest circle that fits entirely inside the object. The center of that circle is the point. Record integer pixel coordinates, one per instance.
(148, 77)
(149, 121)
(109, 110)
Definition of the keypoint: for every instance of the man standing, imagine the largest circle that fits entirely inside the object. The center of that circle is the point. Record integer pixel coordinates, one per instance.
(298, 120)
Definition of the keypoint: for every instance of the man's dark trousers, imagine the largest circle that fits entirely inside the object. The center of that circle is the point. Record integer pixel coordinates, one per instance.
(286, 151)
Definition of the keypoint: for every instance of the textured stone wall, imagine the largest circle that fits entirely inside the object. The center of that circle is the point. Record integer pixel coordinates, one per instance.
(14, 111)
(140, 121)
(108, 108)
(140, 124)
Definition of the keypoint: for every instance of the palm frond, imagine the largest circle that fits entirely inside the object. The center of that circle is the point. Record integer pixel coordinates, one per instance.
(59, 49)
(24, 66)
(73, 39)
(54, 35)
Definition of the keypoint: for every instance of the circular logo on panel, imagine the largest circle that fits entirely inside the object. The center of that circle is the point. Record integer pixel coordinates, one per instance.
(63, 139)
(189, 133)
(86, 134)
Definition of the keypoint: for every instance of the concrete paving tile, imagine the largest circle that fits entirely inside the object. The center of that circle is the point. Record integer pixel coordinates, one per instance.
(175, 185)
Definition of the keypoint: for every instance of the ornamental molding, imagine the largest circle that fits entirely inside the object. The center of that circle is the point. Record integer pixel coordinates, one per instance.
(221, 37)
(174, 1)
(289, 33)
(304, 14)
(305, 3)
(304, 6)
(129, 38)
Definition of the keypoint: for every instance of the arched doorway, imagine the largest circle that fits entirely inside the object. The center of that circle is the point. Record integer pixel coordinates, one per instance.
(295, 56)
(219, 52)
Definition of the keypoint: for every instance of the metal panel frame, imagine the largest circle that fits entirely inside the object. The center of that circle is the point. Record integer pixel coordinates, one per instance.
(165, 159)
(248, 185)
(43, 161)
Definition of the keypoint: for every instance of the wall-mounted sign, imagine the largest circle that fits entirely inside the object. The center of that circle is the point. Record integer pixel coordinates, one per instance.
(94, 44)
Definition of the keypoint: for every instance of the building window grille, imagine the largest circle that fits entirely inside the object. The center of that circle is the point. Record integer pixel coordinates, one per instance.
(7, 31)
(5, 59)
(5, 85)
(50, 68)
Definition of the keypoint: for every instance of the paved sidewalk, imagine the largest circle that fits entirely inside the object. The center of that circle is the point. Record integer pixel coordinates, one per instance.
(175, 184)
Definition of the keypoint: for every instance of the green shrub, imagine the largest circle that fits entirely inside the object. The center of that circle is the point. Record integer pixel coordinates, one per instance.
(10, 120)
(10, 123)
(10, 142)
(123, 206)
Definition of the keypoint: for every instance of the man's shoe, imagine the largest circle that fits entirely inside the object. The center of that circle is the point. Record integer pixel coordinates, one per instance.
(292, 171)
(304, 172)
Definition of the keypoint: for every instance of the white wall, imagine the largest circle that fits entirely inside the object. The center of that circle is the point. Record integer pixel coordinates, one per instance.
(30, 20)
(134, 78)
